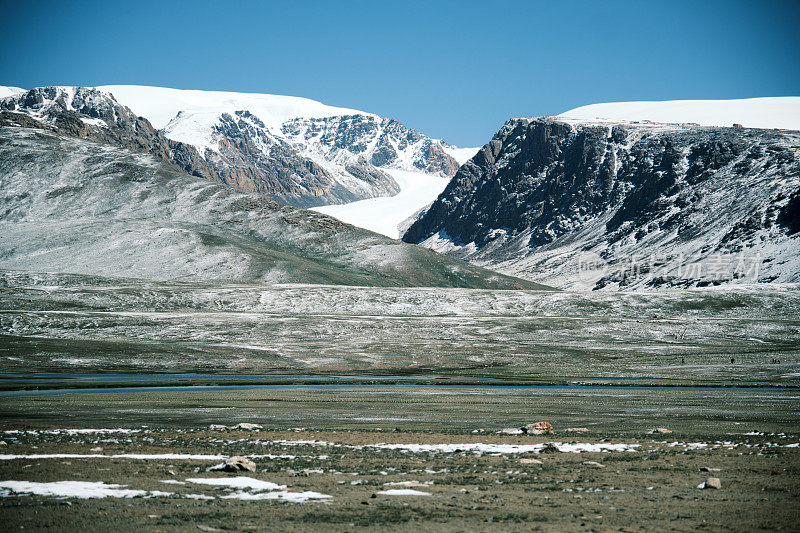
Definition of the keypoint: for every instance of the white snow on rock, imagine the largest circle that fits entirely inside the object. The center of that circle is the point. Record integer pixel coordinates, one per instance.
(385, 215)
(75, 489)
(774, 112)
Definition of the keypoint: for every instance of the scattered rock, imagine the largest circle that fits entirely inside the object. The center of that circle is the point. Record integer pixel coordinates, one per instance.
(550, 448)
(96, 449)
(234, 464)
(662, 431)
(203, 527)
(217, 427)
(248, 426)
(577, 430)
(538, 428)
(710, 483)
(709, 469)
(3, 443)
(511, 431)
(530, 461)
(594, 464)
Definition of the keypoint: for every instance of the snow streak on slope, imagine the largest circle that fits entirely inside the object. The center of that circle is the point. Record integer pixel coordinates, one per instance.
(778, 112)
(462, 155)
(385, 215)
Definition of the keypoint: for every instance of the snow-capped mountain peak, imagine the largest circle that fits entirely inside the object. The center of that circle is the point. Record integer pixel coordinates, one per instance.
(354, 147)
(160, 105)
(774, 112)
(299, 151)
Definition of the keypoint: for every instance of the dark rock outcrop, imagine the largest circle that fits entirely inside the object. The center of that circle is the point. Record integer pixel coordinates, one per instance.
(543, 191)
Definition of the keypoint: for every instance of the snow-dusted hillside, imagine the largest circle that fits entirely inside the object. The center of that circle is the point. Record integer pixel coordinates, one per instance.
(776, 112)
(73, 205)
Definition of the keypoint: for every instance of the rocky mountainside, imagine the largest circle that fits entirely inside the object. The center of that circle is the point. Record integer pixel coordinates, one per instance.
(625, 205)
(79, 203)
(353, 147)
(297, 151)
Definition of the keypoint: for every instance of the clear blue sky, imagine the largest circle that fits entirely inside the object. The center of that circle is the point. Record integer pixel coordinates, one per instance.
(455, 70)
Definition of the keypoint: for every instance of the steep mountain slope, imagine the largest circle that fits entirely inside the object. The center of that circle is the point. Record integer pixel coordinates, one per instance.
(252, 164)
(624, 205)
(352, 146)
(74, 205)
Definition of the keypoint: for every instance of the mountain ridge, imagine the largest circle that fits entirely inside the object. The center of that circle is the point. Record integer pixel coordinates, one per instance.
(262, 143)
(588, 205)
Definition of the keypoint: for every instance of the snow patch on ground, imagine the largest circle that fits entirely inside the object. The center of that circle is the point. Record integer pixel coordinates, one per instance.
(140, 456)
(75, 489)
(476, 447)
(294, 497)
(241, 482)
(404, 492)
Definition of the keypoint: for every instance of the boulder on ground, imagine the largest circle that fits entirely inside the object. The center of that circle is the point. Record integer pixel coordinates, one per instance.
(594, 464)
(577, 430)
(549, 448)
(538, 428)
(217, 427)
(660, 431)
(530, 461)
(235, 464)
(511, 431)
(709, 469)
(710, 483)
(247, 425)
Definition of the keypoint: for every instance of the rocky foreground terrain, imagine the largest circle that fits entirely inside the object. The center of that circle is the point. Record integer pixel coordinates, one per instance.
(625, 205)
(244, 478)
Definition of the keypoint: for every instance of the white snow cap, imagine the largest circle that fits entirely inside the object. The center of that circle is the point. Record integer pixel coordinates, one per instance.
(10, 91)
(159, 105)
(776, 112)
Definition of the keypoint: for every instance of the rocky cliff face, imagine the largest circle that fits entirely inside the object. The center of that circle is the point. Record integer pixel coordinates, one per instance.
(306, 162)
(381, 142)
(628, 205)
